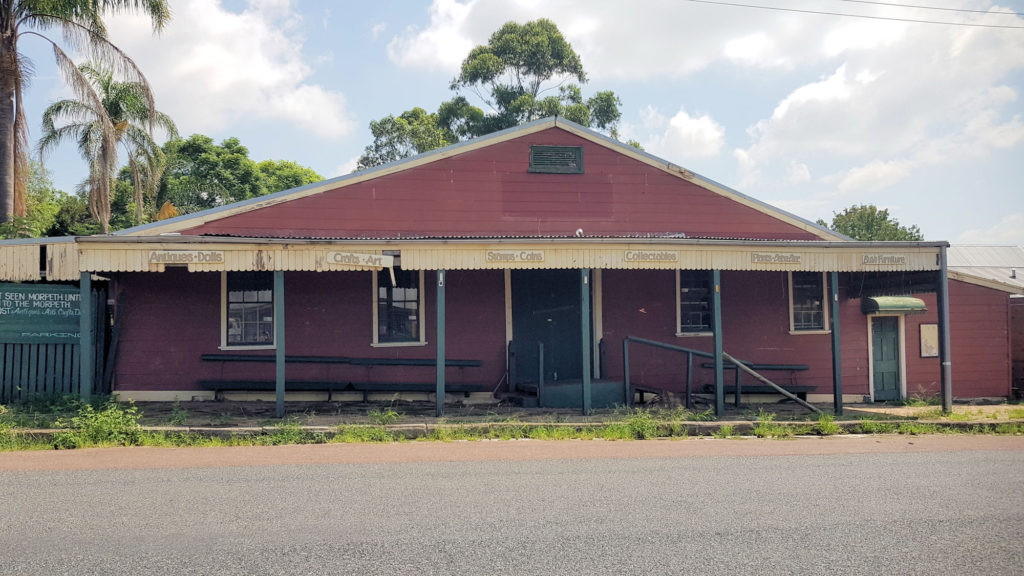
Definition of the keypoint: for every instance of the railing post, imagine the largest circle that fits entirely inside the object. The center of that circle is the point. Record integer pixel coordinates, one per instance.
(738, 391)
(540, 371)
(625, 372)
(512, 366)
(689, 380)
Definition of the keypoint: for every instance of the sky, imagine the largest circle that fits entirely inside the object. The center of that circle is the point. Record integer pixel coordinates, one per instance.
(810, 113)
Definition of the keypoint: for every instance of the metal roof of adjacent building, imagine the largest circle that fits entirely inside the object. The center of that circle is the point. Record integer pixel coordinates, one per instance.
(990, 264)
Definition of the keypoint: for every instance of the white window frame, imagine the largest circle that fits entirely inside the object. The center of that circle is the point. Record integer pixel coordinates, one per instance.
(376, 343)
(824, 308)
(224, 321)
(679, 309)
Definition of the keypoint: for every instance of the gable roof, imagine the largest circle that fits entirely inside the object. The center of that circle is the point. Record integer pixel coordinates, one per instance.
(998, 267)
(191, 221)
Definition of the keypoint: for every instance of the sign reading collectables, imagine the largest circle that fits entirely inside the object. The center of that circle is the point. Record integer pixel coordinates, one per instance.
(39, 313)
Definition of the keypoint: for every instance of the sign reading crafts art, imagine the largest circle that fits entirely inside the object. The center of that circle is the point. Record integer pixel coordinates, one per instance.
(36, 313)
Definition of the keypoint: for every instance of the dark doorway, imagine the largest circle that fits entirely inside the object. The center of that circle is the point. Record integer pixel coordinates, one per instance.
(546, 309)
(885, 343)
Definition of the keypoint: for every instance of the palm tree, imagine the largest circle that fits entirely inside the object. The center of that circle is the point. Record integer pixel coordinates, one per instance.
(81, 27)
(126, 106)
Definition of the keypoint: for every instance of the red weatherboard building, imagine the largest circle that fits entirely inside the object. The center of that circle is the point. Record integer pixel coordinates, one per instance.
(523, 260)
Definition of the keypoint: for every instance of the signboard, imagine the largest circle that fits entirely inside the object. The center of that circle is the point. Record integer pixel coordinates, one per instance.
(186, 257)
(650, 256)
(775, 258)
(884, 259)
(357, 259)
(514, 256)
(37, 313)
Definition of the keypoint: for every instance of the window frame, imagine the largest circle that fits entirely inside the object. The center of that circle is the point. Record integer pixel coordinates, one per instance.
(679, 306)
(422, 336)
(224, 305)
(826, 325)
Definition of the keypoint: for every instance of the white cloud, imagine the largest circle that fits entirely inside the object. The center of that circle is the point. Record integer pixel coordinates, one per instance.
(347, 167)
(377, 29)
(683, 136)
(1008, 230)
(874, 176)
(902, 99)
(212, 68)
(443, 44)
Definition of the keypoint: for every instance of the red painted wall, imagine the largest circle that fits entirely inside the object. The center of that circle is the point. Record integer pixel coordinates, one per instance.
(755, 327)
(171, 319)
(488, 192)
(980, 338)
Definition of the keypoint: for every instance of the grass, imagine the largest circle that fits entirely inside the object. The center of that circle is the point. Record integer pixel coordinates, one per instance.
(108, 423)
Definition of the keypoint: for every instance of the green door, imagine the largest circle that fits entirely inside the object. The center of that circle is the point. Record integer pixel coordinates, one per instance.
(546, 308)
(885, 342)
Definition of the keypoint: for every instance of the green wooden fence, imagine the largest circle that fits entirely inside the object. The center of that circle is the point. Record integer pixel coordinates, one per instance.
(33, 370)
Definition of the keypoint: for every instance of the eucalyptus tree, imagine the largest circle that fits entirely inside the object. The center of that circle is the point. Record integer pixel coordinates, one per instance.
(524, 72)
(867, 222)
(81, 29)
(127, 107)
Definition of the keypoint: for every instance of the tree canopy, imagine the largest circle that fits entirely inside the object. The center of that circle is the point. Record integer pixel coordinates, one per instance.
(867, 222)
(80, 26)
(126, 106)
(524, 72)
(201, 174)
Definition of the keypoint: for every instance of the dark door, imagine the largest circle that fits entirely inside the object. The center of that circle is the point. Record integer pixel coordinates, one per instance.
(546, 308)
(885, 342)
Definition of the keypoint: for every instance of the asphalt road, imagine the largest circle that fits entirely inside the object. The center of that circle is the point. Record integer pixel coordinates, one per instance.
(762, 507)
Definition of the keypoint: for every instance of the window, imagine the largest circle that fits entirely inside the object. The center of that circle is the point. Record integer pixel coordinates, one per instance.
(248, 309)
(398, 307)
(807, 302)
(694, 306)
(556, 159)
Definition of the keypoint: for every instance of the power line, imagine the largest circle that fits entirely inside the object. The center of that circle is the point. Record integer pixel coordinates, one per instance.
(916, 21)
(934, 8)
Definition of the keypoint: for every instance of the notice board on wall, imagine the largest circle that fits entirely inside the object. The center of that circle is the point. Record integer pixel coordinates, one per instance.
(39, 313)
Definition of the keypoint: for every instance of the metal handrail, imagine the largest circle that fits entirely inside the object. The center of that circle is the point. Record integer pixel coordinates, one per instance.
(690, 353)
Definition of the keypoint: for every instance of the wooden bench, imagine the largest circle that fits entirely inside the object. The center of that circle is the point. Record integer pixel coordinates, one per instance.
(339, 360)
(793, 388)
(221, 385)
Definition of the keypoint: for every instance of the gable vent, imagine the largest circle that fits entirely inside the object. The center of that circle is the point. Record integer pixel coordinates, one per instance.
(556, 159)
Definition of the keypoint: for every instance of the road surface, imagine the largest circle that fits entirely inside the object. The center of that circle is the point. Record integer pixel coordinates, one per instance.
(872, 505)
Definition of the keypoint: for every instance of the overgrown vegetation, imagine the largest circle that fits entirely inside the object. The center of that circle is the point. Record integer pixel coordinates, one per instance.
(73, 423)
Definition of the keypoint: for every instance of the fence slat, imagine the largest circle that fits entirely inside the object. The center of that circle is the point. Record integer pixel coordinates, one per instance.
(4, 393)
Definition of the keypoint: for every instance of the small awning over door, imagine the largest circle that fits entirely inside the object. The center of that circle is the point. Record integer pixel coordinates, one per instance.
(892, 305)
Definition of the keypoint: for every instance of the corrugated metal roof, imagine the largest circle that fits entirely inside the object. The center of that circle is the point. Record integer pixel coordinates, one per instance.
(986, 256)
(1011, 276)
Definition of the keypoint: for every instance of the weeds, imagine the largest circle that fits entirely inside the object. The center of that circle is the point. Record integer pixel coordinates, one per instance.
(827, 425)
(110, 425)
(725, 431)
(384, 417)
(178, 416)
